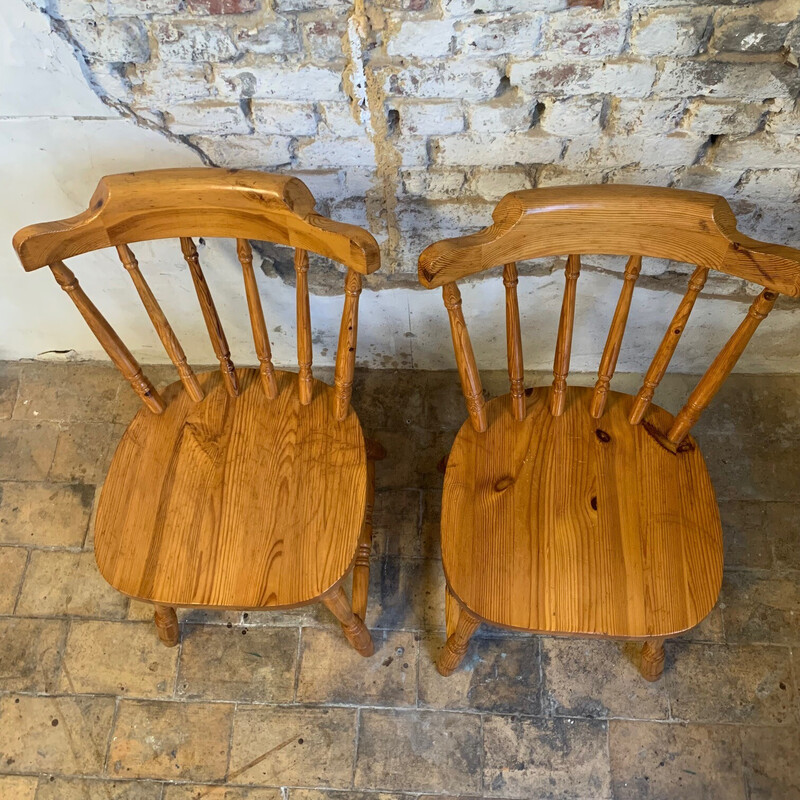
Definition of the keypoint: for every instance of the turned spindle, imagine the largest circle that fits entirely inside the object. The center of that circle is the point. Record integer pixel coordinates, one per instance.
(558, 391)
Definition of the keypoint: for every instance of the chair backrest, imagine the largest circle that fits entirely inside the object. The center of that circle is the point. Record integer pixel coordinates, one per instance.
(635, 221)
(186, 203)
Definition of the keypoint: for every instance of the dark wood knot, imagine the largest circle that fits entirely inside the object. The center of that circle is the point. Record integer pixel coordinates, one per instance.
(602, 435)
(503, 484)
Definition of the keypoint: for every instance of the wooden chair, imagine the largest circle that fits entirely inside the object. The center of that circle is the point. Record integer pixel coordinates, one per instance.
(237, 488)
(582, 510)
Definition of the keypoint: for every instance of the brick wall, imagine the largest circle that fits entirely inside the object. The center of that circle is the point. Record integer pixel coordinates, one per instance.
(413, 117)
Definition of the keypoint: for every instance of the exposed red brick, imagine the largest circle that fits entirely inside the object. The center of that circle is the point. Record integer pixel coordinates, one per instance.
(223, 6)
(587, 3)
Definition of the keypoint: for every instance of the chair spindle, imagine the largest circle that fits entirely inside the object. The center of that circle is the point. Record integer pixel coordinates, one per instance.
(160, 323)
(558, 391)
(257, 322)
(305, 378)
(346, 351)
(658, 366)
(108, 338)
(514, 342)
(465, 358)
(721, 367)
(608, 362)
(364, 549)
(213, 324)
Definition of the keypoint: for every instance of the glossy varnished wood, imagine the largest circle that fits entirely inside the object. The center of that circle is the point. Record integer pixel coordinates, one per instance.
(239, 502)
(566, 322)
(516, 368)
(346, 350)
(569, 524)
(166, 620)
(304, 349)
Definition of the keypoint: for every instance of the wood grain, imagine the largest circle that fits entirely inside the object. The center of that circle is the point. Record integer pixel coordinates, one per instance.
(516, 369)
(346, 350)
(305, 379)
(569, 525)
(566, 323)
(238, 502)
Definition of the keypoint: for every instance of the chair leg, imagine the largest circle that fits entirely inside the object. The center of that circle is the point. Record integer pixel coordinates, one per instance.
(167, 625)
(354, 629)
(451, 611)
(652, 659)
(364, 549)
(456, 646)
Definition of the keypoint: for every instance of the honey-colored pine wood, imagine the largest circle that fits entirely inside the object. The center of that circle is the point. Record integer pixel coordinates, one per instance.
(105, 334)
(516, 369)
(167, 625)
(239, 495)
(213, 324)
(257, 321)
(364, 550)
(346, 351)
(564, 341)
(658, 366)
(652, 659)
(353, 627)
(465, 358)
(608, 362)
(457, 643)
(721, 367)
(576, 519)
(304, 351)
(160, 323)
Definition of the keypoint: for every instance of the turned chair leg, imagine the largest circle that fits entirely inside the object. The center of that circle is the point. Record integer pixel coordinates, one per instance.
(652, 659)
(375, 452)
(354, 629)
(167, 625)
(456, 646)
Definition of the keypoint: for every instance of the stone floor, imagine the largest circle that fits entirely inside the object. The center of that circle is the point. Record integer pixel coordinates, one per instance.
(264, 706)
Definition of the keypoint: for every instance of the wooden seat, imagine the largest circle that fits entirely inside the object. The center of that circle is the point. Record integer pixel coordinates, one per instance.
(249, 488)
(586, 511)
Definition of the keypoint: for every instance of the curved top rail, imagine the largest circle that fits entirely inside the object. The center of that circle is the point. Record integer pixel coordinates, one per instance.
(694, 227)
(201, 201)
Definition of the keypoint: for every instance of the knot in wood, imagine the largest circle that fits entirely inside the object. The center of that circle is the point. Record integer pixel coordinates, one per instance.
(503, 484)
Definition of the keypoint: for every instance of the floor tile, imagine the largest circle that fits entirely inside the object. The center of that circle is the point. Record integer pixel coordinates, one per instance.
(710, 629)
(419, 751)
(169, 740)
(18, 787)
(293, 746)
(325, 794)
(9, 388)
(55, 788)
(83, 451)
(783, 528)
(761, 609)
(12, 568)
(378, 408)
(430, 535)
(26, 450)
(500, 675)
(312, 614)
(44, 514)
(210, 792)
(67, 735)
(332, 672)
(746, 536)
(549, 759)
(119, 658)
(736, 683)
(598, 678)
(30, 655)
(651, 761)
(771, 766)
(60, 583)
(412, 458)
(244, 664)
(142, 611)
(396, 523)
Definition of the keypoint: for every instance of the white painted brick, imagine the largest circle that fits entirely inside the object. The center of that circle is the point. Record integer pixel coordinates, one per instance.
(495, 184)
(465, 8)
(557, 175)
(620, 78)
(763, 151)
(784, 121)
(502, 114)
(586, 34)
(743, 82)
(636, 174)
(501, 33)
(572, 117)
(284, 118)
(135, 8)
(433, 184)
(431, 118)
(274, 36)
(322, 39)
(705, 116)
(338, 118)
(702, 178)
(187, 42)
(246, 152)
(428, 38)
(675, 150)
(342, 6)
(162, 84)
(358, 181)
(646, 116)
(206, 118)
(413, 150)
(452, 217)
(79, 9)
(772, 186)
(113, 40)
(669, 32)
(284, 82)
(469, 80)
(495, 151)
(323, 185)
(321, 152)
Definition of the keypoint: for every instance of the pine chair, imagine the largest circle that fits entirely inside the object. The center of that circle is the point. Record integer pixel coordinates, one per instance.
(237, 488)
(585, 511)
